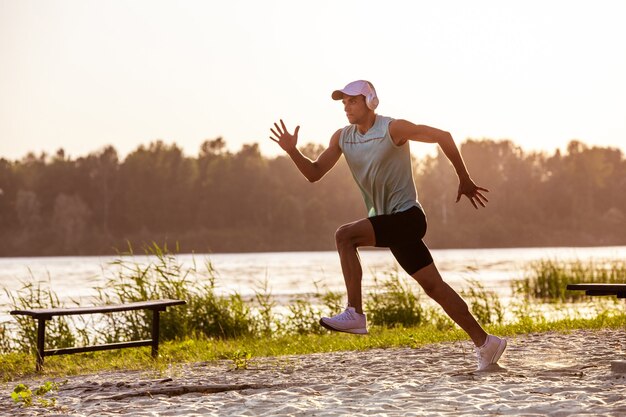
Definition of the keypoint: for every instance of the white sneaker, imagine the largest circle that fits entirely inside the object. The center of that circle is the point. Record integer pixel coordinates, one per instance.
(490, 352)
(349, 321)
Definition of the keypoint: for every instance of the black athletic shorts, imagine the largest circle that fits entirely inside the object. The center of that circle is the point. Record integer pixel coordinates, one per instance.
(402, 233)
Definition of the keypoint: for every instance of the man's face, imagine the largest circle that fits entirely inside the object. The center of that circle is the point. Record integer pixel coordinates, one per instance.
(355, 108)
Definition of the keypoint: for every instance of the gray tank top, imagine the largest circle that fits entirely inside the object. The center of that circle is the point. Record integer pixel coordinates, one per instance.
(380, 168)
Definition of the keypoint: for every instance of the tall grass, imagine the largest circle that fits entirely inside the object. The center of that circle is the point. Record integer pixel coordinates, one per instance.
(546, 280)
(392, 302)
(206, 313)
(217, 315)
(23, 337)
(484, 305)
(301, 315)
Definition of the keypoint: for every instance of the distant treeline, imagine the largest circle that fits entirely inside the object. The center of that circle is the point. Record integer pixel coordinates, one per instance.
(221, 201)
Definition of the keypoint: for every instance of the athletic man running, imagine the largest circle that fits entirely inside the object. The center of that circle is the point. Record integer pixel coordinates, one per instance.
(377, 151)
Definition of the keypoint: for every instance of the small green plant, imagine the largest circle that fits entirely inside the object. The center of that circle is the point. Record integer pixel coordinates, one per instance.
(24, 395)
(266, 323)
(303, 318)
(438, 319)
(5, 338)
(484, 304)
(393, 303)
(241, 359)
(332, 301)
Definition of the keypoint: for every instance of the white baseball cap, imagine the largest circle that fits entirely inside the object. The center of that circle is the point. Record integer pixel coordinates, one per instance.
(359, 87)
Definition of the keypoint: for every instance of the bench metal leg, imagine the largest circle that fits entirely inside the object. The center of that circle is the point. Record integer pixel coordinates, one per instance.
(41, 343)
(155, 333)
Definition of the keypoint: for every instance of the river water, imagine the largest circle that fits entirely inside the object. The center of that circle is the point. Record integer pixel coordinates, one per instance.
(291, 273)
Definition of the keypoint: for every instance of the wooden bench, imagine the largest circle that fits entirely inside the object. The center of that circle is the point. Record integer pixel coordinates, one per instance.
(600, 289)
(44, 314)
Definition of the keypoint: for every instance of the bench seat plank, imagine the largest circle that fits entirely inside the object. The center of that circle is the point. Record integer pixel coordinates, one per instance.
(600, 289)
(68, 311)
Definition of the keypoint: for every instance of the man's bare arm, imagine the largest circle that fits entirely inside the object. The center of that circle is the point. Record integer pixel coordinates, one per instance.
(401, 131)
(312, 170)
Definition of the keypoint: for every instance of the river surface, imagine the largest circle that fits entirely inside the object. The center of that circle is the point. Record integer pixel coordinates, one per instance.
(289, 273)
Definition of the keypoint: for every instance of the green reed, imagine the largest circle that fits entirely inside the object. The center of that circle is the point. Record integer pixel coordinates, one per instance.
(206, 313)
(546, 280)
(302, 313)
(393, 302)
(397, 301)
(23, 336)
(484, 305)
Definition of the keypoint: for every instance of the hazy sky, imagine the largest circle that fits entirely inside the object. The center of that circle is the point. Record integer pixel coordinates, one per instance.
(83, 74)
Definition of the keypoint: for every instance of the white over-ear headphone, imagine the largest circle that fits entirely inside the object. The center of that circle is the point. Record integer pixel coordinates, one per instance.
(371, 99)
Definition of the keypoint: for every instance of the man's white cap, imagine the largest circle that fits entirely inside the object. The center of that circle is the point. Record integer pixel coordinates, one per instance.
(359, 87)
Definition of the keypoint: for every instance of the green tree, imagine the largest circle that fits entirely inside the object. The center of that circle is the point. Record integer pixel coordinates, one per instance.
(156, 195)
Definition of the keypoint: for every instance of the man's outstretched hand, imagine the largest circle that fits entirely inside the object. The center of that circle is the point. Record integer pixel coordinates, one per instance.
(472, 192)
(286, 140)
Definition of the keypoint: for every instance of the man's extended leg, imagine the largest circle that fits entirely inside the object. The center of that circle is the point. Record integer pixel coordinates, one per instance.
(348, 238)
(437, 289)
(488, 348)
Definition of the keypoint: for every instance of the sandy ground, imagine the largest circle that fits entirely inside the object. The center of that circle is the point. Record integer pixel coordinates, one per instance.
(541, 374)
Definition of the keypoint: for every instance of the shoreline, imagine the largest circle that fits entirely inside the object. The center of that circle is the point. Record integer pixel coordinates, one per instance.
(540, 374)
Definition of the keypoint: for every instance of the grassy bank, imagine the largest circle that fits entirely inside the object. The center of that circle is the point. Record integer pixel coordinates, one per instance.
(217, 326)
(241, 351)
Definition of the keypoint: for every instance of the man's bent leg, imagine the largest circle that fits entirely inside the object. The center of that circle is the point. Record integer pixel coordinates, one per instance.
(348, 238)
(436, 288)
